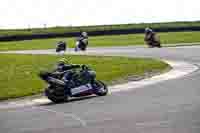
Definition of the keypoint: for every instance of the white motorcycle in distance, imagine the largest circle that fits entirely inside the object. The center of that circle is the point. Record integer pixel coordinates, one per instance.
(81, 44)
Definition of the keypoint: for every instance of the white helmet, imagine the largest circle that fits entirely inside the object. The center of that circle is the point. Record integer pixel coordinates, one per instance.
(148, 30)
(84, 34)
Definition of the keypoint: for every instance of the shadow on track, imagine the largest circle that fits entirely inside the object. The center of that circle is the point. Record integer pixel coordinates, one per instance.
(70, 101)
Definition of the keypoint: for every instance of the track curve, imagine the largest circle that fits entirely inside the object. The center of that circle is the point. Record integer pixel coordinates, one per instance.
(165, 107)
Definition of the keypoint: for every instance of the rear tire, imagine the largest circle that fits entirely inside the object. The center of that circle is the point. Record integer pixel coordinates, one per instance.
(56, 96)
(158, 45)
(101, 88)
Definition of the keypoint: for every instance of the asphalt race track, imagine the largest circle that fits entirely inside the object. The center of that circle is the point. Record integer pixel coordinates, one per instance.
(172, 106)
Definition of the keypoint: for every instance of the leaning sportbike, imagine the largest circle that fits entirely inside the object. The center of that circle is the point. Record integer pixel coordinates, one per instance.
(82, 82)
(81, 44)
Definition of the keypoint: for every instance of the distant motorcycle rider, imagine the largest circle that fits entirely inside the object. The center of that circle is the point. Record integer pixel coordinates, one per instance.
(61, 46)
(151, 38)
(84, 35)
(82, 42)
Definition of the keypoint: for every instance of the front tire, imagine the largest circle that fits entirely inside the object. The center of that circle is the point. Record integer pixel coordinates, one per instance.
(100, 88)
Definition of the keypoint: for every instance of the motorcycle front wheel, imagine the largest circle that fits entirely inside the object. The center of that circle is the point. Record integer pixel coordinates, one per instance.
(100, 88)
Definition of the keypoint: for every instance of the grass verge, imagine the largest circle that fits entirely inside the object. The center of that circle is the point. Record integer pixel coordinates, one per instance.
(112, 40)
(19, 72)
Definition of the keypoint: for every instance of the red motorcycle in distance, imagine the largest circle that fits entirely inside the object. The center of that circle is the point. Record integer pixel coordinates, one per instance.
(151, 39)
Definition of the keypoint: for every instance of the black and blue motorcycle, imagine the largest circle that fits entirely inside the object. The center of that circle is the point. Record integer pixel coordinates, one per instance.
(61, 46)
(76, 82)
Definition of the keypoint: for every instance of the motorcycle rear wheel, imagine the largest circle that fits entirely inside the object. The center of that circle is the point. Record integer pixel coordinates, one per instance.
(56, 96)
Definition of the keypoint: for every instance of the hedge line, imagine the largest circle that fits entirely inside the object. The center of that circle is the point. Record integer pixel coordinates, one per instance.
(16, 35)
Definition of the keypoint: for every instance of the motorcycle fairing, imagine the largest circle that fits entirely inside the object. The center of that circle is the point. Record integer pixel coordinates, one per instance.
(81, 89)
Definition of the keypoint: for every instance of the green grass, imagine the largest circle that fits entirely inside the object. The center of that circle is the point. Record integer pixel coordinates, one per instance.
(19, 72)
(96, 28)
(112, 40)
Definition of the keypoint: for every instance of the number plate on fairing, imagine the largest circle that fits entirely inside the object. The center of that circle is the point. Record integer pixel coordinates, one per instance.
(81, 89)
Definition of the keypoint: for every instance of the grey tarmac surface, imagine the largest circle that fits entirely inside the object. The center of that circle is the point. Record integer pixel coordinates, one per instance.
(172, 106)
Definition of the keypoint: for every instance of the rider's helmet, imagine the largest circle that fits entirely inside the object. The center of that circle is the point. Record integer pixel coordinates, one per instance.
(63, 61)
(148, 30)
(84, 34)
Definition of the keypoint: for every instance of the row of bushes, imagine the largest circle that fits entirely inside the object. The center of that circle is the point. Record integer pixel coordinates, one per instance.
(39, 33)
